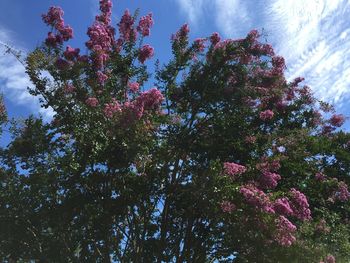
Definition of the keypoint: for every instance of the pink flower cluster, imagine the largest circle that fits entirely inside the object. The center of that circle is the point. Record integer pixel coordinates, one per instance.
(126, 27)
(215, 38)
(337, 120)
(145, 24)
(329, 259)
(322, 227)
(285, 232)
(265, 165)
(278, 64)
(134, 86)
(227, 206)
(282, 206)
(342, 193)
(101, 77)
(106, 12)
(101, 35)
(92, 102)
(111, 108)
(148, 100)
(269, 180)
(300, 205)
(54, 18)
(320, 176)
(71, 53)
(199, 44)
(181, 34)
(145, 52)
(266, 115)
(233, 169)
(256, 198)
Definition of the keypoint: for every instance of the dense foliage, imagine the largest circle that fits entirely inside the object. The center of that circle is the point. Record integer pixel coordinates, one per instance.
(222, 161)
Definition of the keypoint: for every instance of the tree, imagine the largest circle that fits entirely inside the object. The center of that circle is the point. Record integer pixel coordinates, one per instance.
(225, 161)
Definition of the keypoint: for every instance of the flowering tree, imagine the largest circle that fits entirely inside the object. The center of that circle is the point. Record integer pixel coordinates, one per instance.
(223, 161)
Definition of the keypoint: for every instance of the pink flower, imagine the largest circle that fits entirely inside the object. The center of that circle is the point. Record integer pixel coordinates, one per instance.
(126, 27)
(337, 120)
(266, 115)
(62, 64)
(199, 44)
(233, 169)
(53, 40)
(145, 52)
(320, 176)
(300, 205)
(257, 198)
(227, 206)
(282, 206)
(150, 99)
(285, 232)
(215, 38)
(322, 227)
(101, 77)
(111, 108)
(53, 16)
(92, 102)
(145, 24)
(269, 180)
(342, 193)
(182, 34)
(278, 64)
(134, 86)
(71, 53)
(330, 259)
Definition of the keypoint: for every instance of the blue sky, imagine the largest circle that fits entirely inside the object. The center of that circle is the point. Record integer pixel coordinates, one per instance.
(313, 36)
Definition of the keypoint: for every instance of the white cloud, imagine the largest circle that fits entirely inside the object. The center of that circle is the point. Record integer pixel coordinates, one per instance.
(14, 81)
(312, 35)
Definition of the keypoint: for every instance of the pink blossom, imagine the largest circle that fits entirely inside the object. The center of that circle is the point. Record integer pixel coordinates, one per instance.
(66, 32)
(227, 206)
(53, 40)
(269, 180)
(182, 33)
(215, 38)
(300, 205)
(111, 108)
(106, 12)
(145, 52)
(134, 86)
(257, 198)
(285, 232)
(282, 206)
(71, 53)
(342, 193)
(337, 120)
(278, 64)
(92, 102)
(199, 44)
(101, 77)
(320, 176)
(150, 99)
(145, 24)
(233, 169)
(266, 115)
(53, 16)
(330, 259)
(322, 226)
(62, 64)
(126, 27)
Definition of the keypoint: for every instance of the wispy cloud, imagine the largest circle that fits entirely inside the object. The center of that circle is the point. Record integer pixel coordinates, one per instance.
(14, 81)
(312, 35)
